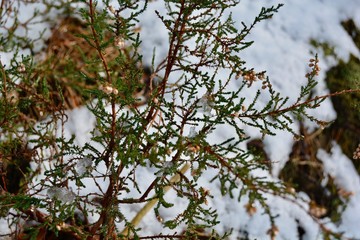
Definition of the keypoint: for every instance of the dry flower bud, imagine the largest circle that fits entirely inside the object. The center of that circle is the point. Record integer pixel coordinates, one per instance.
(250, 209)
(60, 226)
(273, 231)
(345, 194)
(290, 190)
(238, 75)
(12, 96)
(112, 10)
(160, 219)
(261, 76)
(119, 42)
(32, 208)
(317, 211)
(194, 148)
(21, 68)
(108, 89)
(205, 190)
(357, 153)
(316, 69)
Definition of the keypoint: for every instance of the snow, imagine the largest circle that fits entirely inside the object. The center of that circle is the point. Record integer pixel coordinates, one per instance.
(281, 48)
(346, 178)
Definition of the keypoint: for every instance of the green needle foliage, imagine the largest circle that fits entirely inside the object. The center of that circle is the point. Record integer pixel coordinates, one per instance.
(161, 119)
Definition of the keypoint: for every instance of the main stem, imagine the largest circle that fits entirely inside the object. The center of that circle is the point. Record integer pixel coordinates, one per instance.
(107, 202)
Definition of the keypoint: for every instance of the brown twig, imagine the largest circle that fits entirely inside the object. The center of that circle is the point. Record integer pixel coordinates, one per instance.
(96, 41)
(4, 92)
(174, 46)
(105, 216)
(76, 232)
(292, 107)
(162, 236)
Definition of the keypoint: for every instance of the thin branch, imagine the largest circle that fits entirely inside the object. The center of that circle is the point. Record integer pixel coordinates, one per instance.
(293, 107)
(97, 44)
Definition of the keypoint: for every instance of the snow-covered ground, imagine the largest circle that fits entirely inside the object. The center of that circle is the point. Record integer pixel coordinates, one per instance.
(281, 48)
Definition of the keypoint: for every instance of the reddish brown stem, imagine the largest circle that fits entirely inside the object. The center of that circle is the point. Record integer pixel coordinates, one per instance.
(105, 215)
(175, 44)
(288, 109)
(96, 41)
